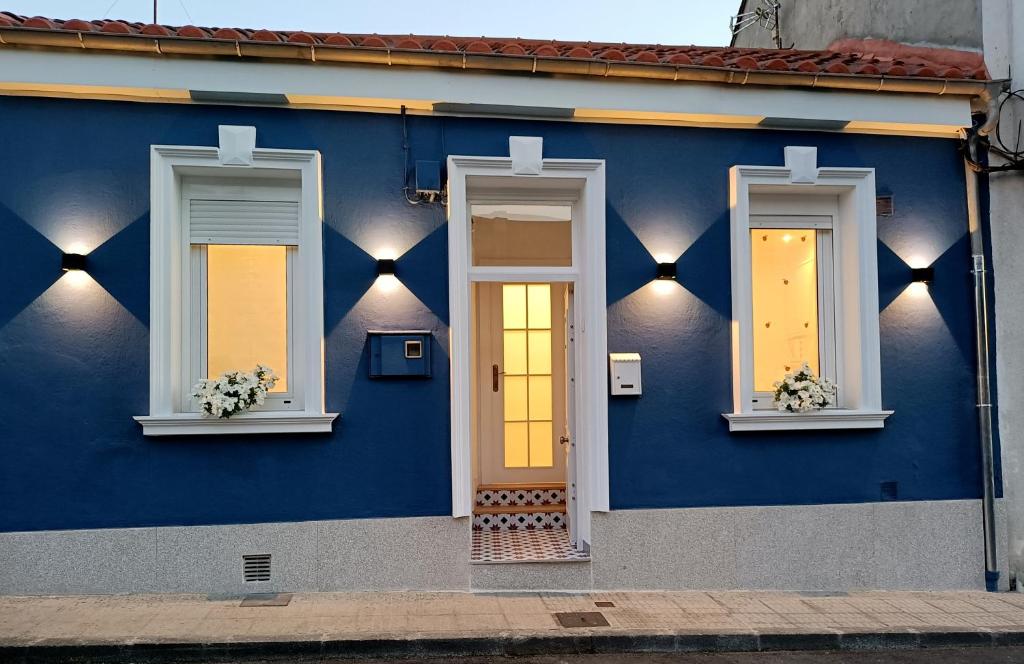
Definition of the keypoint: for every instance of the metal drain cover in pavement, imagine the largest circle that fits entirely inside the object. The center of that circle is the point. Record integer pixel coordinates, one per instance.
(267, 599)
(582, 619)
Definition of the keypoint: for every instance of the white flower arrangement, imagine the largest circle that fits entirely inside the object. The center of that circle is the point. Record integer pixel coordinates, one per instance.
(802, 392)
(234, 392)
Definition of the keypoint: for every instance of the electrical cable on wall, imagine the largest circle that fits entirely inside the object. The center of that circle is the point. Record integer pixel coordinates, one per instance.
(417, 197)
(974, 145)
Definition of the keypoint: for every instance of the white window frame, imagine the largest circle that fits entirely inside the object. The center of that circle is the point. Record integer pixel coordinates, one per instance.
(172, 342)
(847, 195)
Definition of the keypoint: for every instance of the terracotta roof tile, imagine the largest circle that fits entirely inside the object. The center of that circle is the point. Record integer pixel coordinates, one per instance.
(612, 54)
(775, 64)
(409, 43)
(227, 33)
(153, 30)
(444, 45)
(76, 25)
(745, 62)
(264, 36)
(338, 40)
(38, 22)
(679, 59)
(646, 56)
(191, 31)
(373, 41)
(477, 46)
(116, 27)
(848, 57)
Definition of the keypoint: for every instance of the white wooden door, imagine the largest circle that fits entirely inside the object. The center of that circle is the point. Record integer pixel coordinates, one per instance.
(521, 379)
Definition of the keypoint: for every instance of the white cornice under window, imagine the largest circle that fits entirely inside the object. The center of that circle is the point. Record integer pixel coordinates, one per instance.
(194, 424)
(771, 420)
(857, 303)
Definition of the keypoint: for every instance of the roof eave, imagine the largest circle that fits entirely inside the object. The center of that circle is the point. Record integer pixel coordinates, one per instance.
(497, 62)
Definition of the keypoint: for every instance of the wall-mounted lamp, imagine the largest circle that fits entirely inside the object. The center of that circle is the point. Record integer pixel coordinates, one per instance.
(666, 271)
(69, 262)
(385, 266)
(922, 274)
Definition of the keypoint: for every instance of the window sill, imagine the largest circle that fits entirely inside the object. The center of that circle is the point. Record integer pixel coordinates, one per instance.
(772, 420)
(194, 424)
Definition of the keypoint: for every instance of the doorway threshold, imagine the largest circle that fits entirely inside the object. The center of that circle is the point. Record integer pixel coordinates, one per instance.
(524, 546)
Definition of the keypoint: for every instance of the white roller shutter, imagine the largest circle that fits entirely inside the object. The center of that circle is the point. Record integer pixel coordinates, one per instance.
(243, 222)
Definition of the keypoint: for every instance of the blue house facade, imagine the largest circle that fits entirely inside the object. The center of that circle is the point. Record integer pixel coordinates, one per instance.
(518, 345)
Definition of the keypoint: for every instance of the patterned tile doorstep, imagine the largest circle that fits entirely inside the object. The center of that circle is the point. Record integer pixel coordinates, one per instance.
(519, 497)
(523, 546)
(520, 521)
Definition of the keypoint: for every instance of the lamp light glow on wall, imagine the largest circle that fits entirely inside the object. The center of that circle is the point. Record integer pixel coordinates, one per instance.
(71, 262)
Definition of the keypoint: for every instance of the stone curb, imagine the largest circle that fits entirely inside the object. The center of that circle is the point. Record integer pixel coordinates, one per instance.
(504, 644)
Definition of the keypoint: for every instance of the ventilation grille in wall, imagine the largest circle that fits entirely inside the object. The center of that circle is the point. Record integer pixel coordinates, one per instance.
(883, 206)
(890, 490)
(256, 567)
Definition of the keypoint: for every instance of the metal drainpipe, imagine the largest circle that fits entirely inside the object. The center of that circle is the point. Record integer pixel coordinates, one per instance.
(984, 403)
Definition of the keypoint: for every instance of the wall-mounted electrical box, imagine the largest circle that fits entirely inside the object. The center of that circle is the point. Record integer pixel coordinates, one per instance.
(624, 369)
(399, 353)
(428, 178)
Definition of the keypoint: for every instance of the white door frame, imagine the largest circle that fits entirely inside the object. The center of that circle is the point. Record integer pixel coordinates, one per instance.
(557, 177)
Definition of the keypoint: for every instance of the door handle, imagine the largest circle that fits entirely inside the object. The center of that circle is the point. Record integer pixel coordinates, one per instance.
(494, 377)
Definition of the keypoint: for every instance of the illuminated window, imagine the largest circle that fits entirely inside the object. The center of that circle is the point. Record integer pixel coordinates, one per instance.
(792, 300)
(528, 404)
(244, 253)
(247, 309)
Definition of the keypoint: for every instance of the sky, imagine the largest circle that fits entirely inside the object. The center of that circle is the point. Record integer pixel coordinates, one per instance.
(701, 22)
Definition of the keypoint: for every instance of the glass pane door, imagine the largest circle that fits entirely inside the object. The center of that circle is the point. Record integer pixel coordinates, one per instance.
(528, 402)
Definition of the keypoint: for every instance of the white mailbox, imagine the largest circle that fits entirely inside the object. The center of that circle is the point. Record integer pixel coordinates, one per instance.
(625, 372)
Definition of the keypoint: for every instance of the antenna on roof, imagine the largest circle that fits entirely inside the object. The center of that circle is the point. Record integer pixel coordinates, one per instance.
(154, 12)
(766, 16)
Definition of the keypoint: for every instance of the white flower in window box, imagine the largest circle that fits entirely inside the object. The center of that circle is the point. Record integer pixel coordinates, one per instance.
(803, 392)
(234, 392)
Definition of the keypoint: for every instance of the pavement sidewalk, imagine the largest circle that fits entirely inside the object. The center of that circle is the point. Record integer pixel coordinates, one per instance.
(196, 627)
